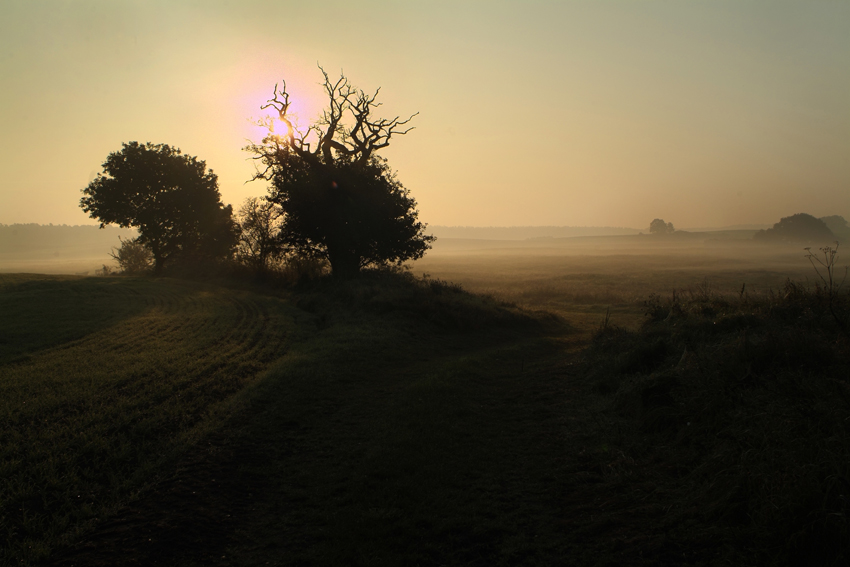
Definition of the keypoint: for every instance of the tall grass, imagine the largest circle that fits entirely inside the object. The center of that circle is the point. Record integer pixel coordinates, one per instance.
(741, 402)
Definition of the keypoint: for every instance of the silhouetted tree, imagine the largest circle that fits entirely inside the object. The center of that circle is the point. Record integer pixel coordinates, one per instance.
(799, 228)
(838, 225)
(658, 226)
(340, 200)
(133, 257)
(170, 197)
(259, 240)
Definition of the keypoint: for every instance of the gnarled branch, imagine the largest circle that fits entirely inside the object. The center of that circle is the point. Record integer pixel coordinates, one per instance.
(358, 142)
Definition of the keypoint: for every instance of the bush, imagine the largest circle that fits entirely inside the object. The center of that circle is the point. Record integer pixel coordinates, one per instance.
(133, 257)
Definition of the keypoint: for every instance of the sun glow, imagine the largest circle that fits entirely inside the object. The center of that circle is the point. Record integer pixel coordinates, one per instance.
(281, 128)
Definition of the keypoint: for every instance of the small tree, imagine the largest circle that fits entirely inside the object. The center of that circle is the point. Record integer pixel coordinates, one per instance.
(658, 226)
(170, 197)
(259, 240)
(133, 257)
(341, 201)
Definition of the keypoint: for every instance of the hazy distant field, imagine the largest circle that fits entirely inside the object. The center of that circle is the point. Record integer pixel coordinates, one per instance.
(49, 249)
(580, 278)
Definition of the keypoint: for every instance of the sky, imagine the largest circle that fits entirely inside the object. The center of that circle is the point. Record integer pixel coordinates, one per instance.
(605, 113)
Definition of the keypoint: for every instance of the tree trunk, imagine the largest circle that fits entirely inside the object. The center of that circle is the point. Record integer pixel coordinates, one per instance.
(344, 263)
(157, 263)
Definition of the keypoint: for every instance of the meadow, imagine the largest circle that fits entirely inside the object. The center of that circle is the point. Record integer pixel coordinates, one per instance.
(583, 278)
(575, 401)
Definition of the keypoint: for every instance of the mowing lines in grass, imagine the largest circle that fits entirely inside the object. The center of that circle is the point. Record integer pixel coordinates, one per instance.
(88, 413)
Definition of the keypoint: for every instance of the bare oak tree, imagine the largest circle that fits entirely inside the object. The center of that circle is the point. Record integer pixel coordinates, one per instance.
(340, 201)
(356, 139)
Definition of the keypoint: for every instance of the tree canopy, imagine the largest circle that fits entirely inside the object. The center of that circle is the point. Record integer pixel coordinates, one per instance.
(259, 239)
(838, 225)
(340, 200)
(658, 226)
(170, 197)
(801, 228)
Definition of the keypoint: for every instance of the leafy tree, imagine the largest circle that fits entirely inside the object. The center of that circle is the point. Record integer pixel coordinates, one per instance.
(341, 201)
(259, 239)
(658, 226)
(133, 257)
(801, 228)
(170, 197)
(838, 225)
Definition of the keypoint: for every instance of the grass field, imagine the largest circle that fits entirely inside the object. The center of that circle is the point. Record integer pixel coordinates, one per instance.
(103, 381)
(583, 278)
(396, 420)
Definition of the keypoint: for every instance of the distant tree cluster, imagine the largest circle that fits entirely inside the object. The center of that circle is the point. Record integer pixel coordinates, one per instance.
(838, 226)
(658, 226)
(804, 229)
(331, 197)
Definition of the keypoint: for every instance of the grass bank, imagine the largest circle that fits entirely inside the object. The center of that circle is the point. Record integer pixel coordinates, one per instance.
(393, 420)
(732, 413)
(104, 381)
(114, 389)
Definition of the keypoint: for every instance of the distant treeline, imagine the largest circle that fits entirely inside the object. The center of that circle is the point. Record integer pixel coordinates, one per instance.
(524, 232)
(43, 238)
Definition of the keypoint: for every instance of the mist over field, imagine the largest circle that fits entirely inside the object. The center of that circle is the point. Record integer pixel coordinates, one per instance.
(58, 249)
(444, 284)
(577, 272)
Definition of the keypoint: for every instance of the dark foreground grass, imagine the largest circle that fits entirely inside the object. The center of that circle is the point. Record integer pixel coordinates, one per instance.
(102, 420)
(735, 413)
(403, 463)
(407, 432)
(103, 382)
(400, 421)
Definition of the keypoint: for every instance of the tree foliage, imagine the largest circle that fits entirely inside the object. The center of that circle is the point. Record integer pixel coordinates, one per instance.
(259, 240)
(133, 257)
(658, 226)
(799, 228)
(340, 200)
(838, 225)
(170, 197)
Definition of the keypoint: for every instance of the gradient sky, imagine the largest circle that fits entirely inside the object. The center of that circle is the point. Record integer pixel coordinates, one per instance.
(704, 113)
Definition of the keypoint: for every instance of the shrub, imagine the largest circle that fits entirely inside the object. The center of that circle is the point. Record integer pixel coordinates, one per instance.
(133, 257)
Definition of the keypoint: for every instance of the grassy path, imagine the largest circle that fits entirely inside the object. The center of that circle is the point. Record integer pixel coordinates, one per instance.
(369, 424)
(454, 458)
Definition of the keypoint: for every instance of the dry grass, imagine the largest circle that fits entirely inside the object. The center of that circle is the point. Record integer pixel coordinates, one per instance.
(582, 279)
(744, 400)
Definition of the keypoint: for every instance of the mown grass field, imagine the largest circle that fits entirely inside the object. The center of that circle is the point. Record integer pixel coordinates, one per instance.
(104, 381)
(396, 421)
(112, 388)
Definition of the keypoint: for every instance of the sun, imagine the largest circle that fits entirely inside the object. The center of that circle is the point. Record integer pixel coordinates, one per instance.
(281, 128)
(266, 122)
